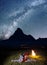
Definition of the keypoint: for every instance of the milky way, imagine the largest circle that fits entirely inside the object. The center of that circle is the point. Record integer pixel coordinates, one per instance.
(29, 15)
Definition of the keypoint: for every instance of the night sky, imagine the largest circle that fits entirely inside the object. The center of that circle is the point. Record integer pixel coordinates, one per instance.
(29, 15)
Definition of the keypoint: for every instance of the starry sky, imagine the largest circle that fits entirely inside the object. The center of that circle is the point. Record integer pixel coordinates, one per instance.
(29, 15)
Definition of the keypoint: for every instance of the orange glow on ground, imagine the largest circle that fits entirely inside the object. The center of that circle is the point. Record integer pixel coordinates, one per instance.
(34, 56)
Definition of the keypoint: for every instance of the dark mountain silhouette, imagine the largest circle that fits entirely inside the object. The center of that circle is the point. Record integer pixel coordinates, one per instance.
(19, 39)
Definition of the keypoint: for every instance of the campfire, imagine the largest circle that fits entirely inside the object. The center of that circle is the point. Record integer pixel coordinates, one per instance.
(33, 55)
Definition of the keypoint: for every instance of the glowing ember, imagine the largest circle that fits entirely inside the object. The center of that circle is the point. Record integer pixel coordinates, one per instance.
(33, 53)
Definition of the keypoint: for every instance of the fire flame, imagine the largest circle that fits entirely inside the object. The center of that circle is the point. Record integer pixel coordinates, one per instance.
(33, 53)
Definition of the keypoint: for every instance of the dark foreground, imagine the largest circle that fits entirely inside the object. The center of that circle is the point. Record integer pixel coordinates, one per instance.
(6, 55)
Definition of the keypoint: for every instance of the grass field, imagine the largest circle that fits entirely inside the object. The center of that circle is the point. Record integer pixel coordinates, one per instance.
(15, 55)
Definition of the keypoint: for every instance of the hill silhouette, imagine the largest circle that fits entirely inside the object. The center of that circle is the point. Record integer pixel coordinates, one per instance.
(19, 39)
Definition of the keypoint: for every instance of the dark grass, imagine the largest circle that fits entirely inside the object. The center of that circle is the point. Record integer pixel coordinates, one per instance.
(7, 54)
